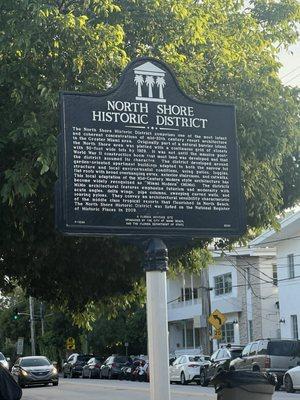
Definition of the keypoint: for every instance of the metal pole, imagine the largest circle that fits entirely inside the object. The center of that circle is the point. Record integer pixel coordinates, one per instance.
(32, 330)
(156, 265)
(206, 311)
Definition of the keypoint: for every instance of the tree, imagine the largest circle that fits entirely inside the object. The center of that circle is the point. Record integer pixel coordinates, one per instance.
(220, 51)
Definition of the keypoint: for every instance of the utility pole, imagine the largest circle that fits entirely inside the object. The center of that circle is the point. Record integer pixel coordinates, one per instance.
(42, 316)
(206, 311)
(32, 330)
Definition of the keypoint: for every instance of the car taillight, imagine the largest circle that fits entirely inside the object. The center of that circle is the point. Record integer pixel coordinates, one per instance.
(267, 362)
(193, 365)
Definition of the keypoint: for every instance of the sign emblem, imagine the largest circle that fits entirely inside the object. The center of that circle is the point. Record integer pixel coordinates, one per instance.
(217, 319)
(150, 81)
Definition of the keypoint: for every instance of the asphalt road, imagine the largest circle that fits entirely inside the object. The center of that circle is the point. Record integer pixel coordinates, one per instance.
(78, 389)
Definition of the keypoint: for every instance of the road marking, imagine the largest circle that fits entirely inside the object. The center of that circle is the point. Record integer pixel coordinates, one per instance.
(142, 389)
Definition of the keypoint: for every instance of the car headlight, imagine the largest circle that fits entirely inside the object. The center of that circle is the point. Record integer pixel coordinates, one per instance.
(24, 373)
(54, 371)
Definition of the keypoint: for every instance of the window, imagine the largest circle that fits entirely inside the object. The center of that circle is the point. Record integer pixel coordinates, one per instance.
(254, 348)
(248, 278)
(263, 347)
(250, 325)
(223, 284)
(294, 321)
(188, 294)
(228, 333)
(291, 266)
(246, 350)
(274, 274)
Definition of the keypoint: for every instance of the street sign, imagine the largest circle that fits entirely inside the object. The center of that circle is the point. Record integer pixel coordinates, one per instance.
(217, 319)
(70, 343)
(146, 160)
(218, 334)
(20, 346)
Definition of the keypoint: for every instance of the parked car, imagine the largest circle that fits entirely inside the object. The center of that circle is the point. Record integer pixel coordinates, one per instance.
(186, 368)
(219, 361)
(92, 368)
(112, 366)
(4, 361)
(34, 370)
(74, 365)
(292, 380)
(269, 355)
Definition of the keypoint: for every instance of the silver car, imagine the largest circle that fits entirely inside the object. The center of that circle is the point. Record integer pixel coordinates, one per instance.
(269, 355)
(34, 370)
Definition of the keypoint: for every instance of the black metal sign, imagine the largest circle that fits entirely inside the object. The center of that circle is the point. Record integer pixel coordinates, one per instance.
(145, 159)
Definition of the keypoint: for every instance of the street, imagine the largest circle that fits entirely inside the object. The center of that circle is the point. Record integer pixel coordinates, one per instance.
(78, 389)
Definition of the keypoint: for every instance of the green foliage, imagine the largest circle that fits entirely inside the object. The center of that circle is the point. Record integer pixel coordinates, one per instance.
(220, 52)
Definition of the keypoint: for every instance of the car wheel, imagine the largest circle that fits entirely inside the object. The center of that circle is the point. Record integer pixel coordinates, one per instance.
(109, 375)
(64, 374)
(288, 383)
(182, 379)
(55, 383)
(198, 382)
(72, 375)
(203, 381)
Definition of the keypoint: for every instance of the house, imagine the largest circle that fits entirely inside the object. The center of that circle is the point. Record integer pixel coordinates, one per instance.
(287, 243)
(243, 286)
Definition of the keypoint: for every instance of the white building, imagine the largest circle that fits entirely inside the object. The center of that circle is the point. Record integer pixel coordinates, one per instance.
(287, 243)
(243, 287)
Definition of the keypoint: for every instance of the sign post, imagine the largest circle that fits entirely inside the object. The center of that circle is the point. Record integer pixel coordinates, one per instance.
(147, 162)
(156, 265)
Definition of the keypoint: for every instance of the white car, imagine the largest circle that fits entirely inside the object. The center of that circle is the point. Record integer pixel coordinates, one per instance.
(4, 361)
(291, 380)
(186, 368)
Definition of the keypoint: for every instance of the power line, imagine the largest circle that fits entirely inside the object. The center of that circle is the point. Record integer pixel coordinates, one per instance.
(280, 240)
(289, 73)
(290, 80)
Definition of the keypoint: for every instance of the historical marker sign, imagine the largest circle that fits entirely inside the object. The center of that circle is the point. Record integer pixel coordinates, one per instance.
(144, 159)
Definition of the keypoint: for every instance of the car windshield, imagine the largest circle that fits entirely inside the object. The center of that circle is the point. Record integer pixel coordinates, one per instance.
(195, 358)
(2, 356)
(83, 358)
(284, 348)
(235, 353)
(34, 362)
(121, 359)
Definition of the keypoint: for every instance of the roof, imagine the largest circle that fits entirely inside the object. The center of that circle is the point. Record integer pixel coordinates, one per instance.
(148, 67)
(289, 229)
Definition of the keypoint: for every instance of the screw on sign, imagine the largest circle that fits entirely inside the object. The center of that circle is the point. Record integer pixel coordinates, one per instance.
(217, 319)
(70, 343)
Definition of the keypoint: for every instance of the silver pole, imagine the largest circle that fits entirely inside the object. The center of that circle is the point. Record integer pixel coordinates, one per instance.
(32, 330)
(157, 322)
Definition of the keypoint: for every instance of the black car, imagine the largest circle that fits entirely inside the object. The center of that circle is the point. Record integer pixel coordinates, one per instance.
(219, 361)
(34, 370)
(74, 365)
(92, 368)
(112, 366)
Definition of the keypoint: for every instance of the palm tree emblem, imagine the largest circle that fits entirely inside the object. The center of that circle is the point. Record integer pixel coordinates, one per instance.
(139, 80)
(150, 83)
(161, 83)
